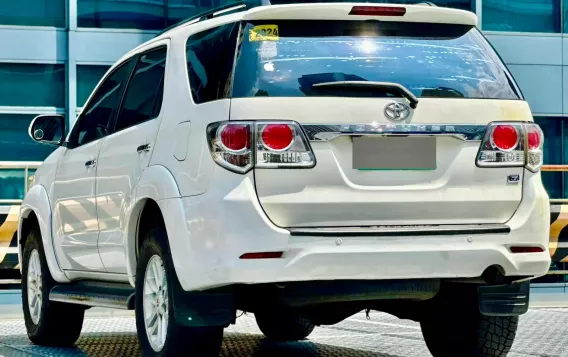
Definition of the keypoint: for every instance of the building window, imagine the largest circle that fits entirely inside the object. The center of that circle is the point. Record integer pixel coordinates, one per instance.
(33, 13)
(39, 85)
(553, 128)
(87, 79)
(142, 14)
(521, 15)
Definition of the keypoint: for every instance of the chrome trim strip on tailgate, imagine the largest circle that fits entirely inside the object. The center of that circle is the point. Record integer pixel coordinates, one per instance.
(401, 231)
(327, 132)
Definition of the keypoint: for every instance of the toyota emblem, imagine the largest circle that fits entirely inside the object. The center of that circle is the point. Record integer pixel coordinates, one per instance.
(397, 111)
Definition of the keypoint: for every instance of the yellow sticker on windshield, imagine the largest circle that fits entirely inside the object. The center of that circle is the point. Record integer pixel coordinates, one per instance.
(264, 33)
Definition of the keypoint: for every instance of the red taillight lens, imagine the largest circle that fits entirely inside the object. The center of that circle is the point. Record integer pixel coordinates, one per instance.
(378, 11)
(527, 249)
(262, 255)
(533, 137)
(504, 137)
(277, 136)
(234, 137)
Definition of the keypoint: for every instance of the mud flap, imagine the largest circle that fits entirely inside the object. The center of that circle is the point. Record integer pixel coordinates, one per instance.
(202, 309)
(504, 300)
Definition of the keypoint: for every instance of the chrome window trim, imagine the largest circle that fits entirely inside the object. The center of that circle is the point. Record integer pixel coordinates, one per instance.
(327, 132)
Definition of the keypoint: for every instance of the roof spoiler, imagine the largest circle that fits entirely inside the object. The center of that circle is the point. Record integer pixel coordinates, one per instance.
(331, 10)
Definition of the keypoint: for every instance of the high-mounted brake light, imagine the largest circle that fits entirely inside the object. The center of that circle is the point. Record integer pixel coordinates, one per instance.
(512, 144)
(377, 11)
(239, 146)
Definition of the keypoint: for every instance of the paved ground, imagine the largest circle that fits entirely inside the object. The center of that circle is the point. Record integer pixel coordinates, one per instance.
(543, 333)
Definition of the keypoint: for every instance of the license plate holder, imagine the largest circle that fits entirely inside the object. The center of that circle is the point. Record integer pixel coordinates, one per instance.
(394, 153)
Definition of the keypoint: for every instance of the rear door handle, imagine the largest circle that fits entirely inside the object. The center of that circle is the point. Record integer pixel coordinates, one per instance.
(90, 163)
(144, 148)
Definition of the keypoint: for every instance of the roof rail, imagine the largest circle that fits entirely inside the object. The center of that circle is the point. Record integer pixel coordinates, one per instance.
(221, 10)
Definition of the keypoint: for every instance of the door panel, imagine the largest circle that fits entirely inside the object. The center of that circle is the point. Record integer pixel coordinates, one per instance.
(76, 229)
(126, 153)
(120, 167)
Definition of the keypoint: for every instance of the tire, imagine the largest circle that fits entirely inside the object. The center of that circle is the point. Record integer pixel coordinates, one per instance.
(469, 334)
(179, 340)
(283, 325)
(47, 323)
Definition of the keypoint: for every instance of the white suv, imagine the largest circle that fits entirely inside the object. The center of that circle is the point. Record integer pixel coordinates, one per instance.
(300, 162)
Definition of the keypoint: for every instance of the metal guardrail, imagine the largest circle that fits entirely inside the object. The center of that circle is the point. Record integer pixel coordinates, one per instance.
(24, 165)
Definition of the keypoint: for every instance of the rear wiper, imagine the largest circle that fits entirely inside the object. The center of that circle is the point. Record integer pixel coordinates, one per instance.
(392, 87)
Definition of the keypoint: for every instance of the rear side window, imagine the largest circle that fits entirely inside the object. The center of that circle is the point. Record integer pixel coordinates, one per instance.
(210, 56)
(143, 97)
(431, 60)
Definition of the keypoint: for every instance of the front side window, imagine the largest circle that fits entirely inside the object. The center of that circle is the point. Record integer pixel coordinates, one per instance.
(210, 55)
(431, 60)
(143, 97)
(94, 122)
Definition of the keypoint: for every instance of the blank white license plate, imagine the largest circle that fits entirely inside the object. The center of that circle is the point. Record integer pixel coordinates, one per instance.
(394, 153)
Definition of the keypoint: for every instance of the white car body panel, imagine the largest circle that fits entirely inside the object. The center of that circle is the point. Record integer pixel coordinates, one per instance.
(335, 194)
(213, 216)
(75, 226)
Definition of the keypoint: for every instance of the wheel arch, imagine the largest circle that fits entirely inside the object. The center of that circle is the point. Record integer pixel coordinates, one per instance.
(156, 184)
(35, 211)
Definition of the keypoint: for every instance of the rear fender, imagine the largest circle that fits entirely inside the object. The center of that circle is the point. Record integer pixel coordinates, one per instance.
(37, 201)
(157, 184)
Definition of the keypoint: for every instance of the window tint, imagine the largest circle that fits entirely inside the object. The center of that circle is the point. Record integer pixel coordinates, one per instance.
(210, 55)
(144, 89)
(97, 116)
(431, 60)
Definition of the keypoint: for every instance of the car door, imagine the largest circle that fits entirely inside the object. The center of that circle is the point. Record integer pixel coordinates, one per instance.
(75, 225)
(126, 153)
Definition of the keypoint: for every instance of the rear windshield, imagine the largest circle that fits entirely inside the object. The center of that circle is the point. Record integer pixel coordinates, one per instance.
(286, 59)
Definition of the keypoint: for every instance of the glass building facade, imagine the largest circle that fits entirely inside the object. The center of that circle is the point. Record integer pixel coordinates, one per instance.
(55, 51)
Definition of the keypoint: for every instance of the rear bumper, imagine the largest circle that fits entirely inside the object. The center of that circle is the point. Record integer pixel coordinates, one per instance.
(216, 228)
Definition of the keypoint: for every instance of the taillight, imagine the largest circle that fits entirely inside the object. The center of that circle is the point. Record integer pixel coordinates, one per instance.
(234, 137)
(239, 146)
(505, 137)
(378, 11)
(230, 145)
(277, 137)
(512, 144)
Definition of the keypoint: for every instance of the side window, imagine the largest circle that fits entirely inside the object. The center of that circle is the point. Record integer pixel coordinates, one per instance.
(210, 56)
(97, 117)
(143, 98)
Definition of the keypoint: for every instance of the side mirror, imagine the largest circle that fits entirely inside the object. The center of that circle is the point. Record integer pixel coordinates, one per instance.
(48, 129)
